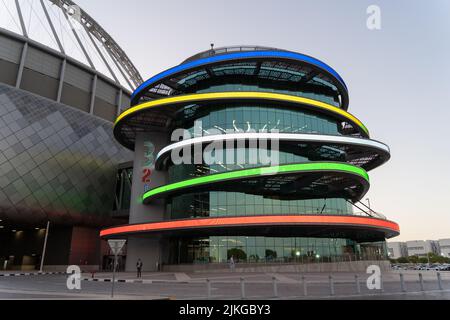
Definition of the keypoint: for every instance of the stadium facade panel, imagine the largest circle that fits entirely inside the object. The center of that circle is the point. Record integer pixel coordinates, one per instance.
(63, 81)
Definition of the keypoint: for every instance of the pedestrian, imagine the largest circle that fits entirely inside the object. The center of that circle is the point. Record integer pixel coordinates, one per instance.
(232, 263)
(139, 265)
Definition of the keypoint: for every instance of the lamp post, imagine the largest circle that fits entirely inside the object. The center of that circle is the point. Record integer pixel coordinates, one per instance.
(45, 247)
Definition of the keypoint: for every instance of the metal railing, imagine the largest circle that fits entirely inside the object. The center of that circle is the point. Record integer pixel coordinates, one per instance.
(224, 50)
(307, 287)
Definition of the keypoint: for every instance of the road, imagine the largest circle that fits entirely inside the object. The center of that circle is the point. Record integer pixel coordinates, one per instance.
(225, 286)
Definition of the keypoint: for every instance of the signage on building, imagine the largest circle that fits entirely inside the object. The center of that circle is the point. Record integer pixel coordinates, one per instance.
(149, 160)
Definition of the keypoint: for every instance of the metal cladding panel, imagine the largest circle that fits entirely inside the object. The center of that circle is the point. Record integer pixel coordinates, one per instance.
(10, 50)
(78, 78)
(56, 162)
(42, 62)
(8, 72)
(76, 97)
(106, 92)
(125, 103)
(41, 84)
(105, 110)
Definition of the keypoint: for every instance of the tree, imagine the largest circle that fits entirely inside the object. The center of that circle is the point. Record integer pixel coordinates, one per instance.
(238, 254)
(270, 254)
(413, 259)
(402, 260)
(435, 258)
(423, 260)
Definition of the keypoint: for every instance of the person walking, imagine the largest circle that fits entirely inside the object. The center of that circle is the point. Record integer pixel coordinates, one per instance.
(232, 263)
(139, 265)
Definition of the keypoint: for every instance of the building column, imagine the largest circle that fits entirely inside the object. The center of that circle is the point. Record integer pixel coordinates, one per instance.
(23, 58)
(93, 94)
(148, 247)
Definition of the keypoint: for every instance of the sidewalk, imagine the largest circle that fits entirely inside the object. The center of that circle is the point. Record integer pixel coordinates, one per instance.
(282, 277)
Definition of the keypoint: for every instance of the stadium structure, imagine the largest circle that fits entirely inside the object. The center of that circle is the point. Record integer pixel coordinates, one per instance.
(63, 81)
(198, 214)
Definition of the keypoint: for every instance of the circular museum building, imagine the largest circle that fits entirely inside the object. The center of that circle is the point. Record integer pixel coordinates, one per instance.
(249, 153)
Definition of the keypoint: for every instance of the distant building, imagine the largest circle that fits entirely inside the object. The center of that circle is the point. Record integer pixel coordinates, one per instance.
(397, 250)
(421, 248)
(444, 247)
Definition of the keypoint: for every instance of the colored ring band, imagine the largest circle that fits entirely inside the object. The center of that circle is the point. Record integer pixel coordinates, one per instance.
(298, 137)
(190, 98)
(252, 221)
(254, 172)
(236, 56)
(220, 96)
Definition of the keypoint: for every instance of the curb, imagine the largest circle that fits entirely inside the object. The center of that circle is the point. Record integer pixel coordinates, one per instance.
(145, 281)
(29, 274)
(119, 280)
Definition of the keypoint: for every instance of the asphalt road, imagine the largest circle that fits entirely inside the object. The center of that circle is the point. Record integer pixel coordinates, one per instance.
(225, 286)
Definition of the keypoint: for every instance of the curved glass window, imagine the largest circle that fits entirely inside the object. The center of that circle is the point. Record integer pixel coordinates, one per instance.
(221, 203)
(253, 87)
(258, 118)
(219, 249)
(243, 158)
(267, 76)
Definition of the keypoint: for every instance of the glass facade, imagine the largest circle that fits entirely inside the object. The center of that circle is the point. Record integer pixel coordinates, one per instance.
(260, 118)
(267, 76)
(249, 157)
(124, 178)
(272, 250)
(220, 203)
(253, 87)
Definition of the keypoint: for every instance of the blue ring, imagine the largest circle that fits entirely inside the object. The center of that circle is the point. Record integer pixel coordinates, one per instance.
(237, 55)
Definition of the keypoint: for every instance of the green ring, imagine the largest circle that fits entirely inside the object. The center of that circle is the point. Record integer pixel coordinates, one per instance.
(314, 166)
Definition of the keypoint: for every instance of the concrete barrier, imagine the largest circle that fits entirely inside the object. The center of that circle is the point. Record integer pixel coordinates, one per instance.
(348, 266)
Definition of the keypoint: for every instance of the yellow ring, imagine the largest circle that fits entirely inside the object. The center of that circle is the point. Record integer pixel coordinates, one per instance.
(243, 95)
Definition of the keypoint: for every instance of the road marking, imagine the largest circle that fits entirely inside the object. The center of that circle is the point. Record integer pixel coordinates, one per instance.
(181, 276)
(281, 277)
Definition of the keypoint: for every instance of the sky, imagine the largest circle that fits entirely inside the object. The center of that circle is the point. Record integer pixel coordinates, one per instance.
(398, 77)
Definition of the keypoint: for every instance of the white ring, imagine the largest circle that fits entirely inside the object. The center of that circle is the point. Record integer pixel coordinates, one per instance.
(279, 136)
